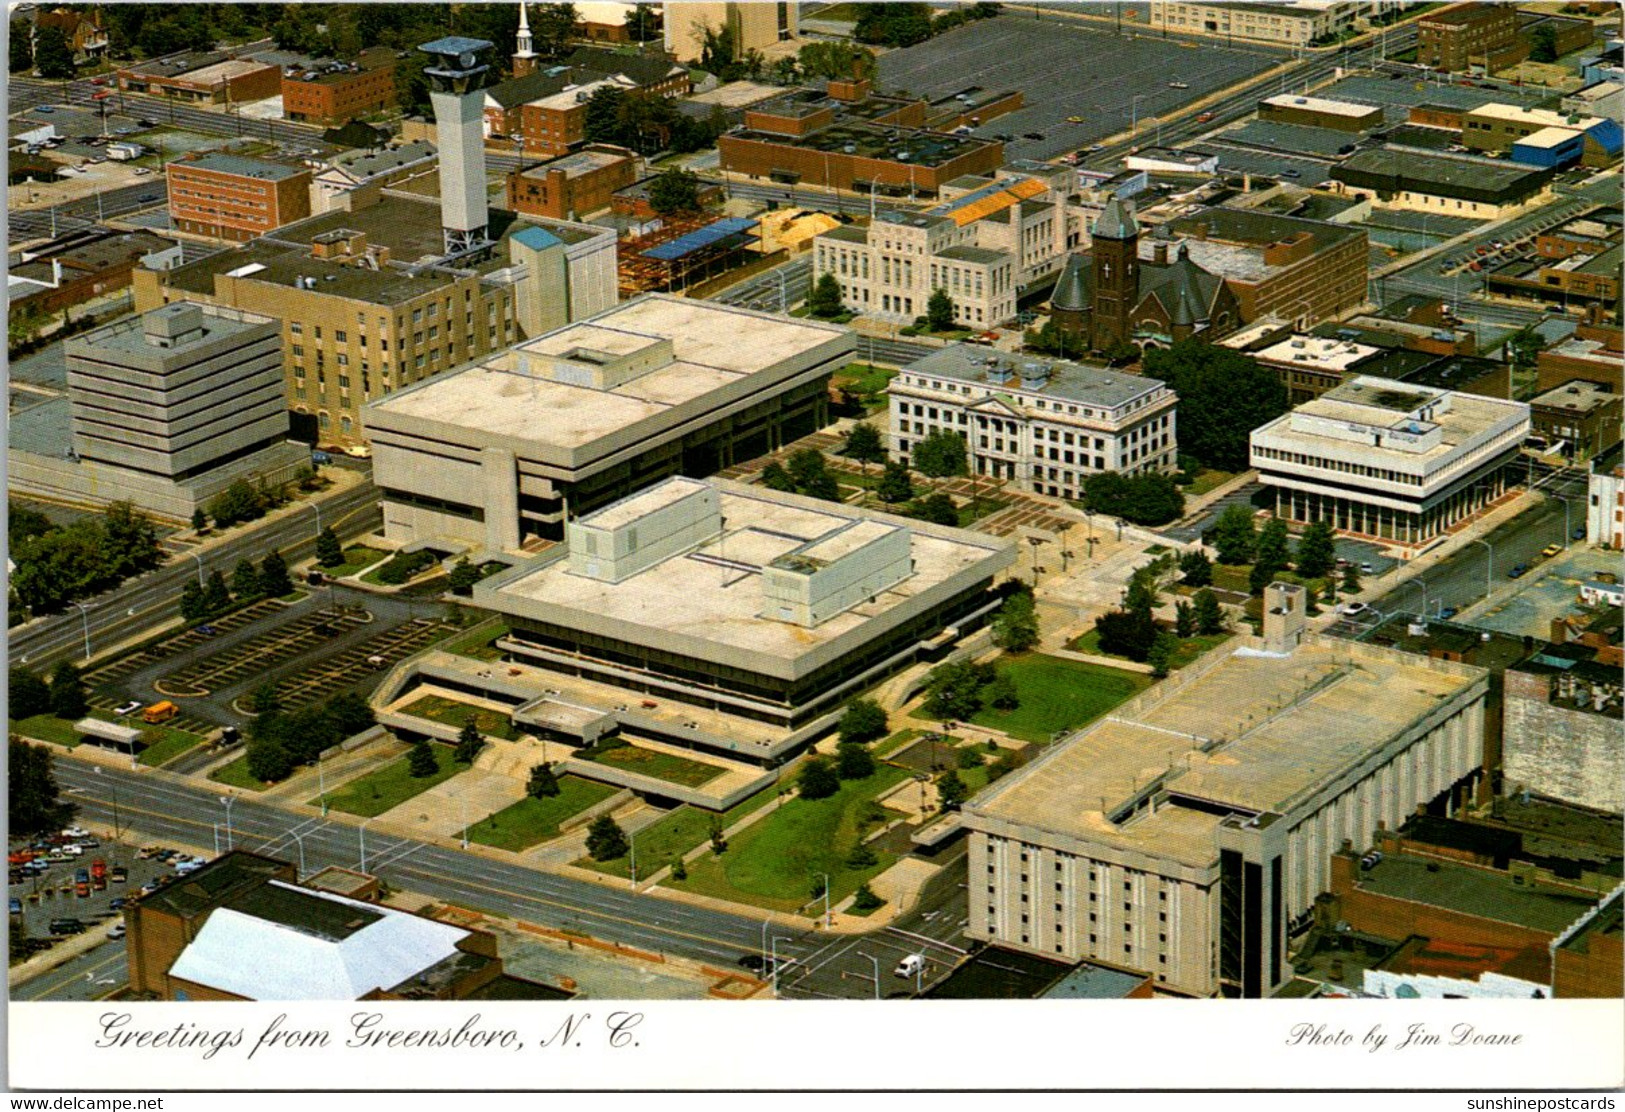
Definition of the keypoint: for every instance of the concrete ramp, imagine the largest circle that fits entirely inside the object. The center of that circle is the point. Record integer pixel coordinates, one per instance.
(516, 758)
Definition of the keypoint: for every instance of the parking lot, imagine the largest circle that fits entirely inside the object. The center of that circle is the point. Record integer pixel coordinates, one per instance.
(189, 641)
(52, 894)
(1126, 78)
(371, 657)
(251, 658)
(1546, 591)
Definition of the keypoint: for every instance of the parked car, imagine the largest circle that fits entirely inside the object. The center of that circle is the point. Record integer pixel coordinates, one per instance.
(1204, 117)
(127, 708)
(45, 109)
(1074, 119)
(1178, 85)
(1551, 550)
(1517, 571)
(117, 931)
(67, 926)
(16, 906)
(1447, 613)
(1579, 533)
(147, 197)
(119, 874)
(1354, 608)
(118, 903)
(1032, 135)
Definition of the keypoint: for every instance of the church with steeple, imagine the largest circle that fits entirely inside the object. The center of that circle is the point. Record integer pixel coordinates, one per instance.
(524, 56)
(1109, 295)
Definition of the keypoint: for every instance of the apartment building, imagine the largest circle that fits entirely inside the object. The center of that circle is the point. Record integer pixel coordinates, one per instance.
(985, 246)
(369, 304)
(328, 92)
(227, 196)
(1289, 23)
(1605, 504)
(578, 183)
(1462, 36)
(1188, 835)
(1389, 459)
(1044, 425)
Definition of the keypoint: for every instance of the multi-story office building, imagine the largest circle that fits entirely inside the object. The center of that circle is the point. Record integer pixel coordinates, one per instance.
(530, 438)
(1287, 22)
(1563, 711)
(230, 197)
(754, 26)
(574, 185)
(985, 247)
(1041, 424)
(1188, 833)
(1389, 459)
(1462, 36)
(165, 409)
(328, 92)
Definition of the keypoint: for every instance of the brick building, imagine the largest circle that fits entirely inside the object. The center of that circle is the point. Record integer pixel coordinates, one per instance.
(583, 182)
(332, 92)
(230, 197)
(1596, 353)
(78, 266)
(1461, 36)
(1588, 960)
(1583, 415)
(1563, 727)
(207, 78)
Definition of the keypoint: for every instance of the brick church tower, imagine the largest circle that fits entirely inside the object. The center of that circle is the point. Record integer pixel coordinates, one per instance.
(1116, 275)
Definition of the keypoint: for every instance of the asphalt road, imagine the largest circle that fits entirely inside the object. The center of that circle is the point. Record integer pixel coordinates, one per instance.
(776, 290)
(87, 976)
(154, 598)
(179, 813)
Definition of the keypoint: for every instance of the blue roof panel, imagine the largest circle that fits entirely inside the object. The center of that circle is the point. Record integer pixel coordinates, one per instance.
(704, 237)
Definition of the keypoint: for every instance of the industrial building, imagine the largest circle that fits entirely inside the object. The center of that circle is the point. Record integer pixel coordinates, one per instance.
(1461, 37)
(1456, 185)
(165, 410)
(1188, 833)
(227, 196)
(530, 438)
(732, 619)
(1390, 460)
(214, 77)
(391, 287)
(574, 185)
(78, 266)
(1502, 127)
(1042, 424)
(1338, 115)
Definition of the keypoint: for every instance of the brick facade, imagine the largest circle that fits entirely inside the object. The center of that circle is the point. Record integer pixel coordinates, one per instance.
(1559, 751)
(234, 206)
(333, 97)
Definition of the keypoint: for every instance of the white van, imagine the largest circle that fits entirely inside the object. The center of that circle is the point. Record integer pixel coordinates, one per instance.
(910, 966)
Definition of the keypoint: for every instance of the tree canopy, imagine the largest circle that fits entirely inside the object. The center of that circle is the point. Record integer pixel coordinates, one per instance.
(940, 455)
(35, 804)
(1146, 498)
(1223, 396)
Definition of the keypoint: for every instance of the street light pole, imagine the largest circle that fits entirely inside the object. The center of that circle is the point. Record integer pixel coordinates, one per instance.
(84, 618)
(362, 831)
(1489, 565)
(875, 962)
(299, 839)
(228, 800)
(775, 960)
(827, 919)
(199, 561)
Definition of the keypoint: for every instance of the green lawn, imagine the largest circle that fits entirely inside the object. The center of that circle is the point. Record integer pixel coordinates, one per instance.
(1232, 577)
(775, 862)
(1189, 649)
(46, 727)
(887, 746)
(863, 378)
(477, 641)
(837, 13)
(1056, 695)
(1206, 480)
(662, 766)
(356, 557)
(531, 820)
(237, 775)
(390, 786)
(170, 745)
(454, 712)
(677, 832)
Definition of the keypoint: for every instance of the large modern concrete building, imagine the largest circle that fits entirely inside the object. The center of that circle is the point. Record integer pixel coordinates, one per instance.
(1189, 832)
(1388, 459)
(1286, 22)
(166, 410)
(1045, 425)
(750, 26)
(521, 442)
(731, 618)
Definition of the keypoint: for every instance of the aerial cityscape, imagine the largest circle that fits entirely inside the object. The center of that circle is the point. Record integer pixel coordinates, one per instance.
(816, 501)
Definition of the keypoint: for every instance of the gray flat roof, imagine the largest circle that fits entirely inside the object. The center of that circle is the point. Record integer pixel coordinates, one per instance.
(128, 336)
(1100, 386)
(242, 167)
(45, 429)
(964, 252)
(1450, 171)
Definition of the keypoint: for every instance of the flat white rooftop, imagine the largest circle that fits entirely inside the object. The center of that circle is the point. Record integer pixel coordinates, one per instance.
(1252, 732)
(713, 346)
(1323, 105)
(1318, 352)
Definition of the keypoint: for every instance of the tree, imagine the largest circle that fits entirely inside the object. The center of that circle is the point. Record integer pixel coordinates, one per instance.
(1271, 558)
(606, 840)
(1195, 569)
(940, 455)
(775, 477)
(216, 596)
(936, 508)
(1161, 654)
(238, 502)
(1209, 615)
(812, 478)
(863, 443)
(1223, 396)
(194, 608)
(420, 760)
(1141, 597)
(1524, 347)
(939, 310)
(349, 713)
(1126, 633)
(1543, 43)
(825, 298)
(1001, 694)
(640, 23)
(1148, 498)
(463, 577)
(818, 779)
(951, 790)
(1351, 579)
(24, 523)
(53, 56)
(853, 762)
(270, 760)
(552, 26)
(837, 59)
(864, 899)
(1184, 620)
(131, 540)
(28, 695)
(34, 802)
(863, 720)
(21, 58)
(245, 580)
(329, 552)
(1234, 535)
(893, 24)
(675, 191)
(469, 742)
(68, 698)
(1317, 551)
(274, 580)
(265, 699)
(542, 783)
(954, 690)
(895, 485)
(200, 520)
(1015, 629)
(717, 51)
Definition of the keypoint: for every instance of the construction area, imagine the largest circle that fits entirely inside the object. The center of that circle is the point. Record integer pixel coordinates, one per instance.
(682, 251)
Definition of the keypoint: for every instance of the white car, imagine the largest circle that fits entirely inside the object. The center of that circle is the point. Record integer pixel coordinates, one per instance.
(117, 931)
(142, 170)
(1353, 608)
(127, 708)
